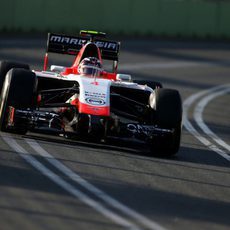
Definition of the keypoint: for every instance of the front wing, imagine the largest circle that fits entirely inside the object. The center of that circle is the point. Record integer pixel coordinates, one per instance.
(50, 122)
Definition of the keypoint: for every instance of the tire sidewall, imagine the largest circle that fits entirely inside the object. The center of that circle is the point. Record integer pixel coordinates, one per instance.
(3, 101)
(5, 66)
(167, 108)
(167, 114)
(19, 91)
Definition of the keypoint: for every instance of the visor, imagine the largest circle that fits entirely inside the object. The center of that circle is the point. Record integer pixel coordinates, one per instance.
(90, 70)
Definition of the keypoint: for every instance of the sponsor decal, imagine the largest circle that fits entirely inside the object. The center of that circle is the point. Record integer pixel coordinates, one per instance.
(95, 101)
(147, 130)
(79, 41)
(94, 83)
(140, 129)
(106, 45)
(95, 94)
(67, 40)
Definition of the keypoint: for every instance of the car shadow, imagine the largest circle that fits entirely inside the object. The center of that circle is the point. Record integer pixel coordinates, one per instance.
(140, 151)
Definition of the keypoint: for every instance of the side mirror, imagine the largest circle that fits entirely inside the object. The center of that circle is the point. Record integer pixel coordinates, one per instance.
(124, 77)
(57, 68)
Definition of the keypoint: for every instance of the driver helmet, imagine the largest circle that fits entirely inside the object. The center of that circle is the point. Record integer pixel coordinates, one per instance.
(90, 66)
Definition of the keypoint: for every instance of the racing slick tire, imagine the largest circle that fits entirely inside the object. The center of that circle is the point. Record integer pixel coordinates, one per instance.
(5, 66)
(167, 114)
(151, 84)
(19, 91)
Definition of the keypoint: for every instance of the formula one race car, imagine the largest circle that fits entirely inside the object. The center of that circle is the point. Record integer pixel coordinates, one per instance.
(85, 101)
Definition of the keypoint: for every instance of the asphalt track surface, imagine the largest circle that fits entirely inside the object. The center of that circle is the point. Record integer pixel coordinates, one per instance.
(48, 182)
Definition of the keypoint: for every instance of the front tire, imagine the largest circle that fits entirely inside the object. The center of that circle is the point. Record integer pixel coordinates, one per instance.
(19, 91)
(5, 66)
(167, 114)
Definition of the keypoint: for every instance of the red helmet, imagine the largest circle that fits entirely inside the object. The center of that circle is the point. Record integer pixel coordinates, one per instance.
(90, 66)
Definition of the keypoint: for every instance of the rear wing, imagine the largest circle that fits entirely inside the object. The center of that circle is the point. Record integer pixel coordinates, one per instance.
(71, 45)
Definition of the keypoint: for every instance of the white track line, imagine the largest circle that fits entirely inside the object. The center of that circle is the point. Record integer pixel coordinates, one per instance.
(97, 192)
(68, 187)
(199, 119)
(186, 105)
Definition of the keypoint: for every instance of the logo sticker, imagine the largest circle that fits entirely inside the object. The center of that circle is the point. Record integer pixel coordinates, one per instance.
(95, 101)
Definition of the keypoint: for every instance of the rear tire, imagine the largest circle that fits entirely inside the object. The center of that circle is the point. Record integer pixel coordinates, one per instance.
(19, 91)
(5, 66)
(167, 114)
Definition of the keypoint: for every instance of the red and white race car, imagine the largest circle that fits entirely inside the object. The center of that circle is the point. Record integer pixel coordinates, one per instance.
(85, 101)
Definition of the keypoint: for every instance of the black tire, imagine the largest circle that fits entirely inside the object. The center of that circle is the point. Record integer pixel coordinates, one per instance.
(167, 114)
(151, 84)
(5, 66)
(19, 90)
